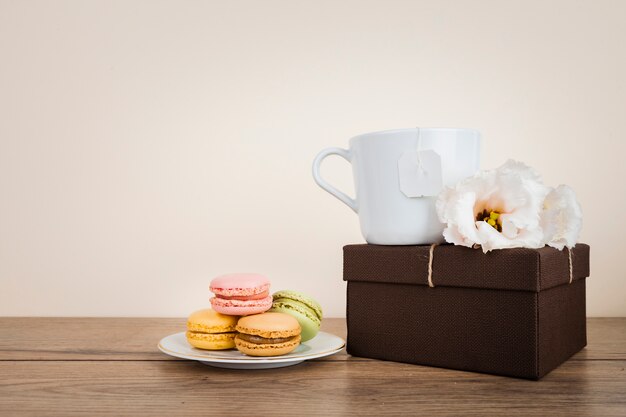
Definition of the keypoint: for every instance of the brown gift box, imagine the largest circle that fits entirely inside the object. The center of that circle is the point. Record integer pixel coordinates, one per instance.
(509, 312)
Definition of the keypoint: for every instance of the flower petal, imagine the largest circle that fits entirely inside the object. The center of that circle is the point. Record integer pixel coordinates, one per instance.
(561, 218)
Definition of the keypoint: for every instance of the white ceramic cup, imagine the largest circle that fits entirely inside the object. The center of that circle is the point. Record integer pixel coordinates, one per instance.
(386, 214)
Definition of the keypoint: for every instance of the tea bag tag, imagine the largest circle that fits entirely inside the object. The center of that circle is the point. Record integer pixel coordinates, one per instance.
(420, 173)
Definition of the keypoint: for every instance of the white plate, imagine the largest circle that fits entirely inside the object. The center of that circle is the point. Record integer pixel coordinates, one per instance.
(324, 344)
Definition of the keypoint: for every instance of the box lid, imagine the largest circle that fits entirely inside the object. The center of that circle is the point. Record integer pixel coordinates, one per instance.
(458, 266)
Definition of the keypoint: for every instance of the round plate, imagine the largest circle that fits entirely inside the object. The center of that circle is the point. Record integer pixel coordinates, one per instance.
(324, 344)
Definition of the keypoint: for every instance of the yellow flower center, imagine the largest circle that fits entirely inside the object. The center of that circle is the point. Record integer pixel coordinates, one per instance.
(491, 217)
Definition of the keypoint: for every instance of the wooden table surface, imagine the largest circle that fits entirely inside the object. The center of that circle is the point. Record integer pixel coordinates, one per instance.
(111, 366)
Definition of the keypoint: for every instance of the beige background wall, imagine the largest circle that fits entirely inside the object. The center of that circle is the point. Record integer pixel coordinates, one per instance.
(147, 146)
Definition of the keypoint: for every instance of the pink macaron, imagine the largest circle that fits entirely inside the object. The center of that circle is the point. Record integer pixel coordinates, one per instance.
(241, 294)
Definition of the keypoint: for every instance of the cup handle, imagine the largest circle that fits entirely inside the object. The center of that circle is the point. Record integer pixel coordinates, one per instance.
(345, 154)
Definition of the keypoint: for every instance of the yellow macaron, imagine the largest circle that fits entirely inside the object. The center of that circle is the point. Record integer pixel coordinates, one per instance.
(210, 330)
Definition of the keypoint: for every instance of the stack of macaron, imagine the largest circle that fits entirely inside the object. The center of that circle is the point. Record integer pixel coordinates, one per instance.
(240, 318)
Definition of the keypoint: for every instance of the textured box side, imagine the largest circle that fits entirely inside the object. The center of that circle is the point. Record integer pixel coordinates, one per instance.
(491, 331)
(562, 329)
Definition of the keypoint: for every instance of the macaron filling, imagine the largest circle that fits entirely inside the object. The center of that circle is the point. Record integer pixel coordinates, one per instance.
(239, 291)
(258, 296)
(289, 305)
(251, 338)
(194, 333)
(223, 302)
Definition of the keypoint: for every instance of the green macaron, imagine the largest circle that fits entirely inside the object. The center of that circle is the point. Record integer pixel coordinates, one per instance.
(306, 310)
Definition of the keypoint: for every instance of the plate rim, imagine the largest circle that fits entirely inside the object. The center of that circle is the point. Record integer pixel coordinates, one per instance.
(250, 359)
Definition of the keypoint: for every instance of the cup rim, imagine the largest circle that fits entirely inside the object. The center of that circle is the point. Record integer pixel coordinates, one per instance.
(406, 129)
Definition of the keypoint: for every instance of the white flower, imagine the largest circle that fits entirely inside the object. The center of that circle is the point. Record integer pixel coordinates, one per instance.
(495, 209)
(562, 218)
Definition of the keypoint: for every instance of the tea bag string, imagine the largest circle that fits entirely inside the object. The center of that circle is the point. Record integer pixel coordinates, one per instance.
(571, 265)
(431, 255)
(418, 148)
